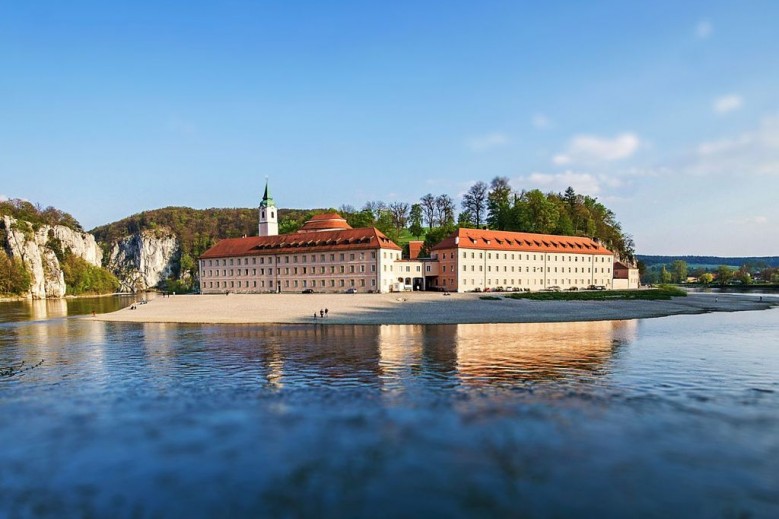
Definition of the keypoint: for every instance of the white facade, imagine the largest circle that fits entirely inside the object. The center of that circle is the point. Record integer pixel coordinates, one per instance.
(367, 270)
(269, 218)
(465, 270)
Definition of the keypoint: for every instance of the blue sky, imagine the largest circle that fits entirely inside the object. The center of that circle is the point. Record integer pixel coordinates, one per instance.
(666, 111)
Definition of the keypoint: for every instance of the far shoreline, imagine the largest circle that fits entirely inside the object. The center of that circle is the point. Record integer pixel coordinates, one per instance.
(413, 308)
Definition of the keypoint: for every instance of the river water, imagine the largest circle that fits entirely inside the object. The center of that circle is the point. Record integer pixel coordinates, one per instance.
(677, 416)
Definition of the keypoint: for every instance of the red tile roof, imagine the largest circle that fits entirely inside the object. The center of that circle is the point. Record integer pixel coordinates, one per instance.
(325, 222)
(520, 241)
(316, 241)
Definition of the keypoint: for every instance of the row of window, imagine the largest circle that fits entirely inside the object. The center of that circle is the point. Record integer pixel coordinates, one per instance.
(527, 269)
(403, 268)
(536, 257)
(332, 269)
(297, 258)
(262, 284)
(549, 282)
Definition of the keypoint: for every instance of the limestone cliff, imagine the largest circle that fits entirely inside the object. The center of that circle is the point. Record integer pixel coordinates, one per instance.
(38, 249)
(143, 259)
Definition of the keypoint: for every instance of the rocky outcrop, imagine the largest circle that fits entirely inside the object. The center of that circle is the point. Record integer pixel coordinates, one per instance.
(143, 259)
(39, 250)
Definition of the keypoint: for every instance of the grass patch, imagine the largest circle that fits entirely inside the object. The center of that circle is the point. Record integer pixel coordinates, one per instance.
(662, 293)
(490, 298)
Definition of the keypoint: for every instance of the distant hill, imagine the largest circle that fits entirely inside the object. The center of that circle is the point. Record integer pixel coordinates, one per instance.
(712, 261)
(197, 229)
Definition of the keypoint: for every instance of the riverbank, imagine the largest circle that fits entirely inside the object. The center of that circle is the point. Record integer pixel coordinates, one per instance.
(414, 308)
(8, 298)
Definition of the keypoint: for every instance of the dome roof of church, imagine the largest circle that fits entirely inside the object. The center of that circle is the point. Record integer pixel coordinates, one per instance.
(325, 222)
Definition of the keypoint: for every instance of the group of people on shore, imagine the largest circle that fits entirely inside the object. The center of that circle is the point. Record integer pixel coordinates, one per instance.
(322, 313)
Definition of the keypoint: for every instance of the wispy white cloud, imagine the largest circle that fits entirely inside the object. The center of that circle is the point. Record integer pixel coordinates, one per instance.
(487, 142)
(541, 121)
(581, 182)
(591, 148)
(755, 152)
(703, 29)
(728, 103)
(759, 220)
(3, 198)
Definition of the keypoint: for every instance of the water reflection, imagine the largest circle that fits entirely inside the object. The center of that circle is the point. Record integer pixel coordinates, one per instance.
(391, 357)
(46, 309)
(345, 421)
(488, 353)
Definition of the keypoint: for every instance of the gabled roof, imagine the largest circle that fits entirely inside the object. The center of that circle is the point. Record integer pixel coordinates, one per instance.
(315, 241)
(520, 241)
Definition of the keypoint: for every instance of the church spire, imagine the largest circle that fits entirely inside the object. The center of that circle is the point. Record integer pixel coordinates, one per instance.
(267, 200)
(269, 224)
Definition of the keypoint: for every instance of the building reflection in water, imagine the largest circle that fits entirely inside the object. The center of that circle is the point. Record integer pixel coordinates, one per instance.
(392, 358)
(41, 309)
(489, 353)
(398, 357)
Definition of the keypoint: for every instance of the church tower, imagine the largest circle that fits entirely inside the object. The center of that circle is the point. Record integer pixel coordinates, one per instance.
(269, 224)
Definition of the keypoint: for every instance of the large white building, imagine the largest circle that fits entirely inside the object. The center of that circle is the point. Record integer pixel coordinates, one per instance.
(473, 259)
(325, 255)
(328, 255)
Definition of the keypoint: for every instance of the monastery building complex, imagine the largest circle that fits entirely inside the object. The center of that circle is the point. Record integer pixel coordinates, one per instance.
(328, 255)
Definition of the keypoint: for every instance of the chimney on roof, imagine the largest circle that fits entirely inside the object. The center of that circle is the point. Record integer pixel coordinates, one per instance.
(414, 248)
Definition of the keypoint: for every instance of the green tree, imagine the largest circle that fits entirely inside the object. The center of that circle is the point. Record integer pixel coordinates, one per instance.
(434, 237)
(705, 278)
(415, 220)
(386, 225)
(543, 213)
(14, 277)
(82, 277)
(445, 210)
(475, 202)
(465, 220)
(724, 274)
(289, 225)
(679, 271)
(427, 203)
(399, 212)
(665, 276)
(362, 218)
(743, 276)
(499, 204)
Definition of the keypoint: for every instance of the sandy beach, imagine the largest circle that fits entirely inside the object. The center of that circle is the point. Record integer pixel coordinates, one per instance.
(414, 308)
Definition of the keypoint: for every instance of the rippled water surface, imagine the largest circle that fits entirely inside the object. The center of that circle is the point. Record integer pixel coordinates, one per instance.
(676, 416)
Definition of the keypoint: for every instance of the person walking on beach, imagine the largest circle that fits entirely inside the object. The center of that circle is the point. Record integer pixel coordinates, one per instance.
(322, 314)
(326, 308)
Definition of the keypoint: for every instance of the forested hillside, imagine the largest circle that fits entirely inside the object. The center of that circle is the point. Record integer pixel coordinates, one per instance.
(197, 229)
(37, 215)
(708, 261)
(709, 269)
(45, 253)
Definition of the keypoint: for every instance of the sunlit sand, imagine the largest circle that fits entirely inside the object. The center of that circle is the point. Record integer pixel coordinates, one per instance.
(411, 308)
